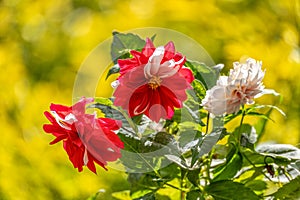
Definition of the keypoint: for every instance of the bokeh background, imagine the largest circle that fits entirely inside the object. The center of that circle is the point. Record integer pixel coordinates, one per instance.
(43, 43)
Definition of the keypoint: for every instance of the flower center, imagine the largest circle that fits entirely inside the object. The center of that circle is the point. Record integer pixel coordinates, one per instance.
(154, 82)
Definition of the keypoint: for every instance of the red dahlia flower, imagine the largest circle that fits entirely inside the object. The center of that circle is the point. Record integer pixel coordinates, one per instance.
(153, 82)
(86, 139)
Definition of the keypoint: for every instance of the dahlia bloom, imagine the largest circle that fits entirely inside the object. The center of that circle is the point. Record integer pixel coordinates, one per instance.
(86, 139)
(153, 82)
(247, 78)
(243, 84)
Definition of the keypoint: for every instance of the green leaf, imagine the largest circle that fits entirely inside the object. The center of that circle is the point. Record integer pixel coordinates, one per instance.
(122, 195)
(270, 106)
(110, 111)
(283, 150)
(263, 158)
(261, 115)
(206, 75)
(94, 196)
(123, 43)
(143, 195)
(149, 196)
(103, 101)
(233, 164)
(230, 117)
(145, 183)
(199, 88)
(178, 160)
(188, 139)
(256, 185)
(170, 172)
(194, 195)
(229, 190)
(193, 176)
(209, 141)
(290, 190)
(191, 108)
(152, 38)
(113, 70)
(261, 124)
(136, 161)
(147, 153)
(189, 126)
(248, 133)
(204, 146)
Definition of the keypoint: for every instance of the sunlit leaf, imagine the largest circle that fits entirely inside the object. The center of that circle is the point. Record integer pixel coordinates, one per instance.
(123, 43)
(209, 141)
(283, 150)
(264, 158)
(289, 191)
(193, 176)
(110, 111)
(147, 153)
(179, 161)
(225, 190)
(270, 106)
(261, 124)
(194, 195)
(206, 75)
(256, 185)
(123, 195)
(143, 195)
(233, 164)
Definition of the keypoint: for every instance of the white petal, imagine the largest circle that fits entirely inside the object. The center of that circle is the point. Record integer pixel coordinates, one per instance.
(59, 120)
(115, 84)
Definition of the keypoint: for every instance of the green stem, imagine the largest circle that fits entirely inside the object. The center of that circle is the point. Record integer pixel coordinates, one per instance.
(207, 123)
(182, 193)
(241, 124)
(208, 166)
(172, 186)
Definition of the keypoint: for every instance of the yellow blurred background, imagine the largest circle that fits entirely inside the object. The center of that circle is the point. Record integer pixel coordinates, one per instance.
(43, 43)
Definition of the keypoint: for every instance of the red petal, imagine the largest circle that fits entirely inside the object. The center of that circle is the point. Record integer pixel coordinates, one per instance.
(110, 123)
(114, 138)
(79, 107)
(75, 154)
(169, 52)
(101, 147)
(139, 58)
(149, 48)
(187, 74)
(177, 57)
(127, 64)
(175, 82)
(91, 164)
(50, 117)
(54, 129)
(156, 110)
(61, 110)
(170, 98)
(139, 101)
(58, 139)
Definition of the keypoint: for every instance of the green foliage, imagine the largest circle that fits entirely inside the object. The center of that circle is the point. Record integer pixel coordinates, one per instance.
(289, 191)
(232, 165)
(123, 43)
(206, 75)
(226, 189)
